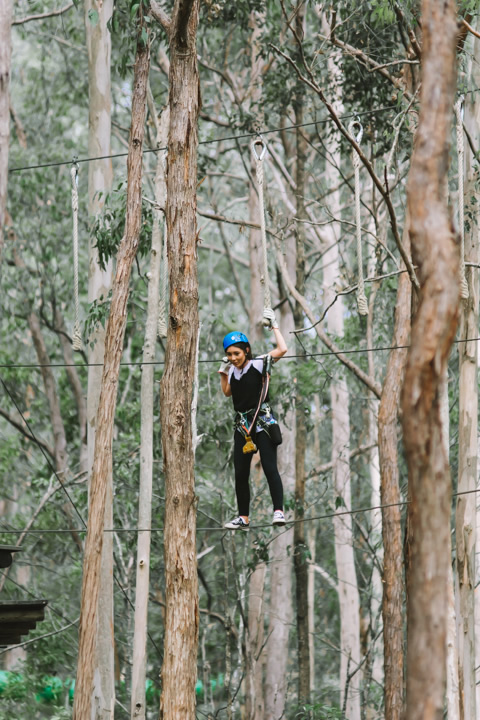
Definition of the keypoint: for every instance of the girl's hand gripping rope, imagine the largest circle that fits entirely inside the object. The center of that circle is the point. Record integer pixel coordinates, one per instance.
(270, 320)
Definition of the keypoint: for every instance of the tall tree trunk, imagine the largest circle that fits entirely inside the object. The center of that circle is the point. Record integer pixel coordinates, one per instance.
(281, 609)
(452, 696)
(179, 669)
(254, 644)
(435, 254)
(465, 516)
(102, 463)
(472, 123)
(392, 607)
(374, 661)
(100, 178)
(300, 555)
(6, 13)
(348, 597)
(138, 702)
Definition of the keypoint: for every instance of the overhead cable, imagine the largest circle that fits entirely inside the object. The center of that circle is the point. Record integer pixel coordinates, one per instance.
(243, 136)
(354, 351)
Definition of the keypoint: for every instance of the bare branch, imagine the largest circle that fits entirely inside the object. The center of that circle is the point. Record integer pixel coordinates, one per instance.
(42, 16)
(470, 28)
(326, 467)
(366, 162)
(370, 383)
(160, 15)
(45, 498)
(41, 637)
(18, 426)
(374, 67)
(231, 221)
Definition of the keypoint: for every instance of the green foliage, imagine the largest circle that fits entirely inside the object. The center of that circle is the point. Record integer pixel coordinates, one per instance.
(318, 711)
(50, 97)
(109, 227)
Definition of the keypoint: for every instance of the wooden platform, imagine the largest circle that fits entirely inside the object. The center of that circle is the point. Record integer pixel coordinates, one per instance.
(18, 618)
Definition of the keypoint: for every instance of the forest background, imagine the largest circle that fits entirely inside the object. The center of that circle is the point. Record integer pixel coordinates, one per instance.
(310, 621)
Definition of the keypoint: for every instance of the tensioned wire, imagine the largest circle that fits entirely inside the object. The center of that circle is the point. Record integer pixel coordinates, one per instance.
(266, 131)
(326, 516)
(243, 136)
(50, 465)
(328, 353)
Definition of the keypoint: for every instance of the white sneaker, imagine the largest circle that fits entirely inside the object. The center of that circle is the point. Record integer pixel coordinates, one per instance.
(237, 523)
(278, 518)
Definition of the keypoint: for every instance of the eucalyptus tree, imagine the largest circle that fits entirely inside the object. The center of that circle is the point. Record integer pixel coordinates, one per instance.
(115, 331)
(433, 331)
(100, 178)
(466, 536)
(181, 582)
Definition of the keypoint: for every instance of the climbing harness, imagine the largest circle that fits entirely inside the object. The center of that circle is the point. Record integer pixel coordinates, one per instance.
(461, 198)
(259, 150)
(242, 423)
(362, 303)
(77, 334)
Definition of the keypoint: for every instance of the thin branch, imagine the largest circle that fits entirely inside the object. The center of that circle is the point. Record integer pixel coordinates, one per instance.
(46, 497)
(159, 14)
(470, 28)
(370, 383)
(355, 52)
(326, 467)
(394, 62)
(366, 162)
(411, 35)
(41, 637)
(231, 221)
(18, 426)
(42, 16)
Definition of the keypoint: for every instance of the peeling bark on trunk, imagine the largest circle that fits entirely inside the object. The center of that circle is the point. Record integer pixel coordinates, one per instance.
(300, 553)
(179, 669)
(102, 464)
(348, 597)
(100, 178)
(281, 610)
(393, 590)
(435, 254)
(138, 702)
(300, 559)
(254, 633)
(465, 515)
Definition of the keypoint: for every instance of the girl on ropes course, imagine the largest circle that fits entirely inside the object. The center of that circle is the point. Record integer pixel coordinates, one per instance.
(246, 380)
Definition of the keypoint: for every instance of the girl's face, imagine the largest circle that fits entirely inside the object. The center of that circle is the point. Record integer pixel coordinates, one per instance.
(237, 356)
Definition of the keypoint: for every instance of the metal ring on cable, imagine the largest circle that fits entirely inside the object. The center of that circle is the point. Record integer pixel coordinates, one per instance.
(259, 141)
(353, 124)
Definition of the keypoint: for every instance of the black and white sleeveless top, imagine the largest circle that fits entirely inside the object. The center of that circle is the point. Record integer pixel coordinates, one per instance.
(246, 385)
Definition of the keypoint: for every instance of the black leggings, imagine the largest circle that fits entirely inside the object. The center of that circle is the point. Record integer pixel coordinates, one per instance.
(242, 462)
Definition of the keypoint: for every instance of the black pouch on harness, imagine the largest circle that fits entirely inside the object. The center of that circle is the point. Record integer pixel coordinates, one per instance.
(275, 433)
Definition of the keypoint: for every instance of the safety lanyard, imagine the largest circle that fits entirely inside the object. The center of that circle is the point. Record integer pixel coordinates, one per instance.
(267, 367)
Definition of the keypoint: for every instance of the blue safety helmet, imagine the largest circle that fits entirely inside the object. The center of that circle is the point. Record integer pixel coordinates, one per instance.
(233, 338)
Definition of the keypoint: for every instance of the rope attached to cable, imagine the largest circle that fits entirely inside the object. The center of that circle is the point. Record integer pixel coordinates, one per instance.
(362, 303)
(77, 333)
(461, 197)
(259, 149)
